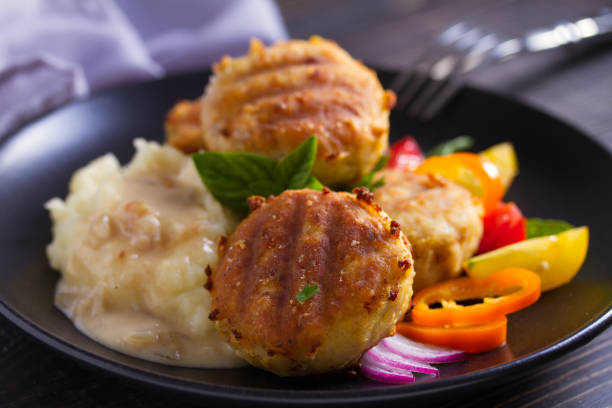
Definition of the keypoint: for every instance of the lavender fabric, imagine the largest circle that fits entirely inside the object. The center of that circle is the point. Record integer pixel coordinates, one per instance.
(54, 51)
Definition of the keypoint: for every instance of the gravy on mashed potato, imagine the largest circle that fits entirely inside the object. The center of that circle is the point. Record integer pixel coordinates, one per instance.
(132, 245)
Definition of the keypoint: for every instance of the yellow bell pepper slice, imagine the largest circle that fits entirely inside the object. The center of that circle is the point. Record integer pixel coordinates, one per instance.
(503, 156)
(556, 258)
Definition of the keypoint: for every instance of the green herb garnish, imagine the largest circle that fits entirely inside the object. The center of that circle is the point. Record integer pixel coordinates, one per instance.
(368, 179)
(233, 177)
(458, 144)
(537, 227)
(306, 293)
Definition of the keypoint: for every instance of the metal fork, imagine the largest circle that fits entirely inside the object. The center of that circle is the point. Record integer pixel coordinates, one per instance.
(460, 49)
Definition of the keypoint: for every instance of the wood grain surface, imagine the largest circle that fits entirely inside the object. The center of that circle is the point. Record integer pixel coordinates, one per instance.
(575, 85)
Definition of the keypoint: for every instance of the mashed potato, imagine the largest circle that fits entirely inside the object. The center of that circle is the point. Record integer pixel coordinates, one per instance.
(132, 245)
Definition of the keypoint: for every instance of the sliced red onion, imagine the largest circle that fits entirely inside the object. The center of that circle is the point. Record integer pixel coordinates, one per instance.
(386, 357)
(421, 352)
(383, 373)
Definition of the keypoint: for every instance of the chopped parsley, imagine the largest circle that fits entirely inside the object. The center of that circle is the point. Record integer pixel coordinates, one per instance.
(306, 293)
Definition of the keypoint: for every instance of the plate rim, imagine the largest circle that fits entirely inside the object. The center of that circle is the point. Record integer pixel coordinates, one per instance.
(577, 338)
(385, 393)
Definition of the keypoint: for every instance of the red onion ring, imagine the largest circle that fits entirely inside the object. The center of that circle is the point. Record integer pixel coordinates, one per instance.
(421, 352)
(382, 373)
(394, 358)
(383, 355)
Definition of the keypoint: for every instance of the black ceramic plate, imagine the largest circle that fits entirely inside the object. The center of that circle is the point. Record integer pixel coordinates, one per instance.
(564, 174)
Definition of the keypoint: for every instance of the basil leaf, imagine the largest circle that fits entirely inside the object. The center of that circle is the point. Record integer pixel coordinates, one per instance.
(233, 177)
(240, 166)
(381, 163)
(306, 293)
(314, 184)
(294, 169)
(378, 183)
(366, 180)
(229, 176)
(537, 227)
(458, 144)
(265, 188)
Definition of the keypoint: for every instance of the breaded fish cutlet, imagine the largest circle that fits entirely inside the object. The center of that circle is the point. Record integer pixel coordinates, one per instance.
(342, 243)
(273, 98)
(441, 219)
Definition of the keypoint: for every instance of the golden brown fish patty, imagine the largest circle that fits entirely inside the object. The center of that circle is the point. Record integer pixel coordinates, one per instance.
(343, 244)
(272, 99)
(184, 127)
(441, 219)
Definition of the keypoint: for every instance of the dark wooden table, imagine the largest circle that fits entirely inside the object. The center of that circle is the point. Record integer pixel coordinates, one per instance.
(575, 85)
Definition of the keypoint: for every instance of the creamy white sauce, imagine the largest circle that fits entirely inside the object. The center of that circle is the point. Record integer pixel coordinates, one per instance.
(132, 245)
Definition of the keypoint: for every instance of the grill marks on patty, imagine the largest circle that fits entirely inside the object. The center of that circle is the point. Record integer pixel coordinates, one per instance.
(342, 244)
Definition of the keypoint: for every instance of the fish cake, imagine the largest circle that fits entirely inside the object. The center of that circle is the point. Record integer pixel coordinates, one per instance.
(342, 243)
(441, 219)
(274, 98)
(183, 126)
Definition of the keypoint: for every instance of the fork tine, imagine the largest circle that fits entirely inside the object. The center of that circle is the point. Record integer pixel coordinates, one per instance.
(417, 81)
(409, 82)
(420, 78)
(400, 81)
(438, 72)
(470, 51)
(436, 104)
(470, 61)
(422, 101)
(413, 85)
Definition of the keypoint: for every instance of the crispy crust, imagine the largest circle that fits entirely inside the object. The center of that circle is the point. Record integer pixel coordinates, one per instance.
(343, 244)
(183, 126)
(272, 99)
(441, 220)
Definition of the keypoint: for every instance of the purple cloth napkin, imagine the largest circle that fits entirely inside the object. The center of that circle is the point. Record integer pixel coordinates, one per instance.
(54, 51)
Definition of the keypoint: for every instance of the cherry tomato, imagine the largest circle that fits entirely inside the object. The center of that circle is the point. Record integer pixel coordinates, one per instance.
(405, 154)
(503, 226)
(477, 174)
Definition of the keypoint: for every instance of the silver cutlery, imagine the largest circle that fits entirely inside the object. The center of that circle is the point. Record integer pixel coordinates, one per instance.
(440, 72)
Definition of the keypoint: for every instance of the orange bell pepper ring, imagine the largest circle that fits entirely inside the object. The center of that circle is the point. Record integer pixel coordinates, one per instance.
(475, 173)
(472, 339)
(502, 292)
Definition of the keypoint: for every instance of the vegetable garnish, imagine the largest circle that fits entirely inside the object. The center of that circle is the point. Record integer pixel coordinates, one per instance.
(503, 156)
(421, 352)
(405, 154)
(471, 339)
(368, 180)
(383, 355)
(388, 361)
(473, 172)
(306, 293)
(537, 227)
(503, 226)
(376, 371)
(233, 177)
(458, 144)
(503, 292)
(556, 258)
(475, 327)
